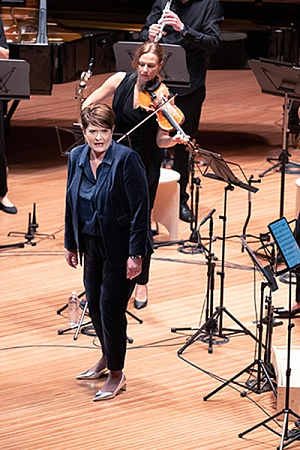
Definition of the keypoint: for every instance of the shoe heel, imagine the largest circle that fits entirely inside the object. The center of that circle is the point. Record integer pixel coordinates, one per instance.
(123, 388)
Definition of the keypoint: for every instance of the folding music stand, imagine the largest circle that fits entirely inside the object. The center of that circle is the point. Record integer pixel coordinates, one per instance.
(174, 71)
(69, 138)
(290, 251)
(280, 79)
(218, 169)
(263, 367)
(14, 83)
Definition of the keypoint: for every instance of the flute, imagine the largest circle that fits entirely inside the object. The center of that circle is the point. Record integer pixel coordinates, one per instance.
(161, 22)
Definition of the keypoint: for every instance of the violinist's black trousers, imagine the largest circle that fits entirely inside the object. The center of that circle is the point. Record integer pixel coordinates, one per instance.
(190, 105)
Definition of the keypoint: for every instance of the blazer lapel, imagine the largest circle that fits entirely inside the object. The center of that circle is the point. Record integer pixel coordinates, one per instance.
(105, 169)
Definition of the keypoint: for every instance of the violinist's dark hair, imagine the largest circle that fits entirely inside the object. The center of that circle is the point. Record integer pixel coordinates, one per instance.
(98, 115)
(147, 47)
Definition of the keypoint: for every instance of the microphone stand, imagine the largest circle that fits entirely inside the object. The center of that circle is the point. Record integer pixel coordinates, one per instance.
(195, 200)
(81, 324)
(31, 230)
(206, 333)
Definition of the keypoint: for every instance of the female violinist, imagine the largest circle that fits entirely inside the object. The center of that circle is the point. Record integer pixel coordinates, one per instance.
(148, 138)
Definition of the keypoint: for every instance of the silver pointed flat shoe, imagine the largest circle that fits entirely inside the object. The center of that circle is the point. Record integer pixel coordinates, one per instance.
(91, 374)
(111, 394)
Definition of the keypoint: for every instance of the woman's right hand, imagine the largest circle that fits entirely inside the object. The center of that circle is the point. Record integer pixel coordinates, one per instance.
(72, 258)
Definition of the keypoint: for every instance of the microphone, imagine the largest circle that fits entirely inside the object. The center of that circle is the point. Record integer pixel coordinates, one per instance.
(207, 217)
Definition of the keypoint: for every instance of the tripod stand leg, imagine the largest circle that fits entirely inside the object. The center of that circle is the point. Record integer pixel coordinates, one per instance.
(226, 383)
(80, 321)
(64, 330)
(260, 384)
(134, 316)
(190, 341)
(261, 175)
(209, 324)
(263, 423)
(244, 329)
(62, 309)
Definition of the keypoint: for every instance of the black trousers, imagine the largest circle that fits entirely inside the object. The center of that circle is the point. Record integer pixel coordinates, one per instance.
(107, 291)
(190, 105)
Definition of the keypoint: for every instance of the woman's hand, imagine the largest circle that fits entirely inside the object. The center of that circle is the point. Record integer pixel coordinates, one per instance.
(72, 258)
(164, 140)
(180, 138)
(133, 267)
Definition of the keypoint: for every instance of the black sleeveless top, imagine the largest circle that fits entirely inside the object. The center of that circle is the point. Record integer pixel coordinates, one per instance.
(143, 139)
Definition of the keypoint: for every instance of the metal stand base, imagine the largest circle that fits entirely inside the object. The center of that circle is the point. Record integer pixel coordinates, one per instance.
(286, 435)
(79, 326)
(212, 336)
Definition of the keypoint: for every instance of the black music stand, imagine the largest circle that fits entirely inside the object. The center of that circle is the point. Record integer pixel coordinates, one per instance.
(280, 79)
(174, 71)
(218, 169)
(290, 251)
(263, 367)
(14, 83)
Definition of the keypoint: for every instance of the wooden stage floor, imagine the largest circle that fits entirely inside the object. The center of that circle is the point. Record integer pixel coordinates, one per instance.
(42, 404)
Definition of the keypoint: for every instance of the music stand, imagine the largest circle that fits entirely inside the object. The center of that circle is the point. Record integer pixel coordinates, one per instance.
(264, 369)
(69, 138)
(280, 79)
(290, 251)
(14, 83)
(222, 170)
(218, 169)
(174, 71)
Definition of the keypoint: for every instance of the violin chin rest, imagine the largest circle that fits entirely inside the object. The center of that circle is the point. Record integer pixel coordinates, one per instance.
(152, 85)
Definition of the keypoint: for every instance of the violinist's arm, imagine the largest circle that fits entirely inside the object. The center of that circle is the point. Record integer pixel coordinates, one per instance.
(164, 140)
(106, 90)
(4, 53)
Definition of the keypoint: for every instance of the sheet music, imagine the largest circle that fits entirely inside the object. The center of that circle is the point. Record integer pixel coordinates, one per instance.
(286, 242)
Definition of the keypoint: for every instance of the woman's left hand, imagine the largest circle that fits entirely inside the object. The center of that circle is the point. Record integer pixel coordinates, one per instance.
(180, 138)
(133, 267)
(72, 258)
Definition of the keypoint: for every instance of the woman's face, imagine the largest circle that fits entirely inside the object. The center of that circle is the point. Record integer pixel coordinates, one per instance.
(98, 138)
(148, 67)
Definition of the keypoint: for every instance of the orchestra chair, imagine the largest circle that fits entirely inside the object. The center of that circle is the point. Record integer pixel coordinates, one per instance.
(166, 205)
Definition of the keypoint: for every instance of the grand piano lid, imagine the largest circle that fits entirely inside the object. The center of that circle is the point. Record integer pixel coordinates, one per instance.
(21, 26)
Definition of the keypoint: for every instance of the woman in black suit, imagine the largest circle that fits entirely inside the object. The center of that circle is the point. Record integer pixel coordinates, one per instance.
(106, 223)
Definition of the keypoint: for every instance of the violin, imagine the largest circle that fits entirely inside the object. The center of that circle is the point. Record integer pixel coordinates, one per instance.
(169, 117)
(155, 97)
